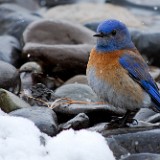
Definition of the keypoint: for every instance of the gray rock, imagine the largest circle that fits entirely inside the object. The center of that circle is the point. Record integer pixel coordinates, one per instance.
(79, 92)
(147, 43)
(82, 79)
(44, 118)
(10, 102)
(10, 50)
(9, 77)
(78, 122)
(52, 3)
(139, 142)
(143, 156)
(14, 19)
(63, 45)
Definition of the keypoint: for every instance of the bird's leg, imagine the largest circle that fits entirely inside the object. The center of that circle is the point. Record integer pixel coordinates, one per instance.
(124, 121)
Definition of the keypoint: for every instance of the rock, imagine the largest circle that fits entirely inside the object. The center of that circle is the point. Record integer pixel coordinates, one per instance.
(79, 122)
(49, 3)
(147, 115)
(81, 79)
(86, 13)
(10, 102)
(144, 156)
(99, 127)
(14, 19)
(10, 78)
(63, 45)
(138, 142)
(44, 118)
(147, 43)
(155, 72)
(79, 92)
(32, 5)
(10, 50)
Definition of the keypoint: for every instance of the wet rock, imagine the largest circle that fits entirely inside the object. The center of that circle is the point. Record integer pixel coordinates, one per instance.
(10, 78)
(79, 92)
(44, 118)
(10, 102)
(10, 50)
(78, 122)
(139, 142)
(143, 156)
(63, 45)
(82, 79)
(103, 11)
(14, 19)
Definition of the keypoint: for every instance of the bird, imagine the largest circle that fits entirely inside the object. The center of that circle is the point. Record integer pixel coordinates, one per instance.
(117, 72)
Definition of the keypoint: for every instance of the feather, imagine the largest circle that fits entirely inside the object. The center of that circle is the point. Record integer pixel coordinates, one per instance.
(138, 70)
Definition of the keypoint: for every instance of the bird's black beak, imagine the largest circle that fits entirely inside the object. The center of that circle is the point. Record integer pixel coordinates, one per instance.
(98, 35)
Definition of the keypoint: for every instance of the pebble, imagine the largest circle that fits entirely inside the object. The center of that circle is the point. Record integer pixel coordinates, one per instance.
(9, 77)
(10, 102)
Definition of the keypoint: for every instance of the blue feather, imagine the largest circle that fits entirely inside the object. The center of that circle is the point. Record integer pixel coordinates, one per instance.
(138, 70)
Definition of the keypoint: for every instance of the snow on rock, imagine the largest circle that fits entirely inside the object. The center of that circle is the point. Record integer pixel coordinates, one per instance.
(20, 140)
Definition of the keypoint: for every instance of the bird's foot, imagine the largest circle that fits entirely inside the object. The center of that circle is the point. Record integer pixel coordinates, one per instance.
(125, 121)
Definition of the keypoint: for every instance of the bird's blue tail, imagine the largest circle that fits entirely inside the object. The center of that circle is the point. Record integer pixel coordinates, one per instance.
(154, 93)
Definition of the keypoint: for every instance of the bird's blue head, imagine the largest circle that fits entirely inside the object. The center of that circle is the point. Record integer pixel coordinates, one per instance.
(113, 35)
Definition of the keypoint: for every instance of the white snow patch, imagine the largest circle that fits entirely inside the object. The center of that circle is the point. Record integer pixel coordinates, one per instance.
(20, 140)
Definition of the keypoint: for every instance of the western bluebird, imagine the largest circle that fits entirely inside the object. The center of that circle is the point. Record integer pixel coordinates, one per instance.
(117, 72)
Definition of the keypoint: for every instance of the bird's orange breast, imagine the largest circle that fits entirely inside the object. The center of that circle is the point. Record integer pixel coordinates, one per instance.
(108, 72)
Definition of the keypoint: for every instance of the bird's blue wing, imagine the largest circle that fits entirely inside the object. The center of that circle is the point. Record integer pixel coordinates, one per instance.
(138, 70)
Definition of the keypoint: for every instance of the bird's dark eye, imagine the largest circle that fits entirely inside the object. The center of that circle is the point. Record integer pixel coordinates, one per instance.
(113, 32)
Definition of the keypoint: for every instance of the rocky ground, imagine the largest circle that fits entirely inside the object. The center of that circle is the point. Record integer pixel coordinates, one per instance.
(44, 50)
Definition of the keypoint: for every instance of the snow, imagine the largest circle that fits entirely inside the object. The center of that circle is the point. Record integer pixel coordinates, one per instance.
(20, 140)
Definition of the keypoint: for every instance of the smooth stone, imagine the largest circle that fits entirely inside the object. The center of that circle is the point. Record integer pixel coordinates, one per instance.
(63, 45)
(10, 102)
(81, 79)
(79, 92)
(44, 118)
(139, 142)
(14, 19)
(143, 156)
(10, 78)
(86, 13)
(78, 122)
(10, 50)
